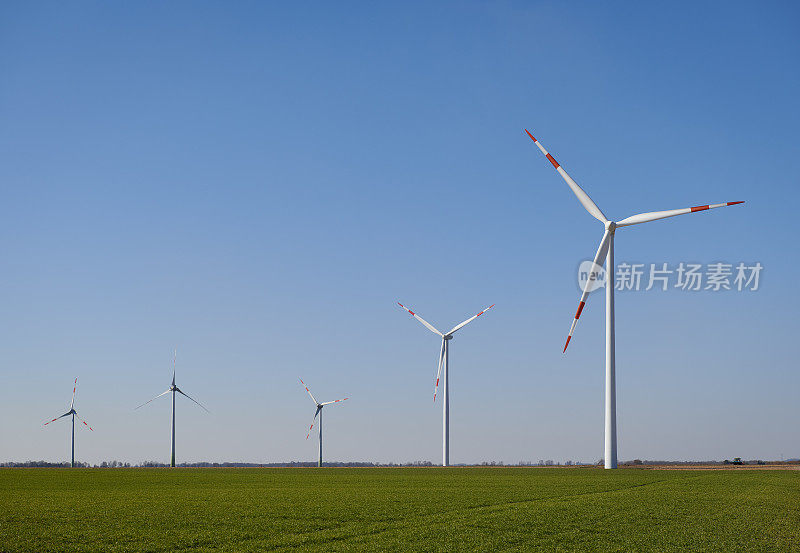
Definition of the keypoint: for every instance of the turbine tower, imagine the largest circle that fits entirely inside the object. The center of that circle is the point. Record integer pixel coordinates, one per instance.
(174, 389)
(318, 412)
(444, 359)
(74, 414)
(605, 252)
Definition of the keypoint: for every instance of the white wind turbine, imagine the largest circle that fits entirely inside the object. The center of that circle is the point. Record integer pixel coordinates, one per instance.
(74, 414)
(444, 357)
(173, 388)
(318, 412)
(606, 252)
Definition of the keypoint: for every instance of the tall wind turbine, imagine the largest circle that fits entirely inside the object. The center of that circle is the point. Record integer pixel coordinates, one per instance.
(444, 359)
(74, 414)
(606, 252)
(318, 412)
(173, 388)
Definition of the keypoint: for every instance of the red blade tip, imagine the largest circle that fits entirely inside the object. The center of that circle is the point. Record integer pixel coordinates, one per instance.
(529, 134)
(565, 345)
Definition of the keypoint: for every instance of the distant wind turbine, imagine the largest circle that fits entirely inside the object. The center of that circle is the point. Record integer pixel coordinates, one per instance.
(606, 252)
(444, 359)
(173, 388)
(318, 412)
(74, 414)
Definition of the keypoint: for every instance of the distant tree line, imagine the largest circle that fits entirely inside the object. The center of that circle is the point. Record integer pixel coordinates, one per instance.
(290, 464)
(735, 461)
(155, 464)
(47, 464)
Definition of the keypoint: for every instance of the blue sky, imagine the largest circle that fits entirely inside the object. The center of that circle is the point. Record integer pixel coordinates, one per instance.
(257, 185)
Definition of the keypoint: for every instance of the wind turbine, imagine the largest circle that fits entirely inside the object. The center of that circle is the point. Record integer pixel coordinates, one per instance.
(318, 412)
(173, 388)
(74, 414)
(606, 252)
(444, 357)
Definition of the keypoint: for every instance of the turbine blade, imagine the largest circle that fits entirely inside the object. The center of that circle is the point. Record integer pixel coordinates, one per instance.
(174, 360)
(84, 422)
(602, 251)
(313, 421)
(470, 319)
(439, 371)
(74, 387)
(420, 319)
(55, 419)
(656, 215)
(583, 197)
(309, 391)
(190, 397)
(148, 401)
(334, 401)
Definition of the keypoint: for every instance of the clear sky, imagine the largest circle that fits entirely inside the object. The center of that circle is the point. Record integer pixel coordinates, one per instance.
(256, 185)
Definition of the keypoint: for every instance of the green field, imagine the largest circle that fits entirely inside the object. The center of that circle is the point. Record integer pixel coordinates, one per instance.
(398, 509)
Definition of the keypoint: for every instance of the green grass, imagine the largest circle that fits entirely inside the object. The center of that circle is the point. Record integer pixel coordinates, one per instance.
(393, 509)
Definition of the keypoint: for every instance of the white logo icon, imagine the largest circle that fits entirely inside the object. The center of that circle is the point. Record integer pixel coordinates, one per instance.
(592, 274)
